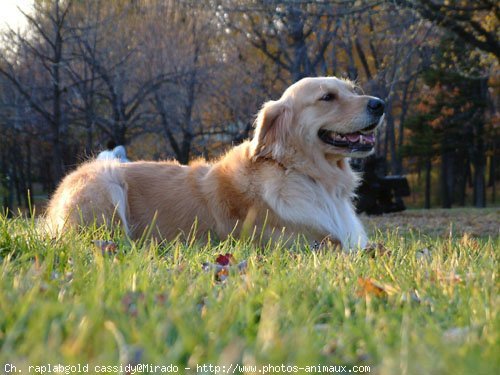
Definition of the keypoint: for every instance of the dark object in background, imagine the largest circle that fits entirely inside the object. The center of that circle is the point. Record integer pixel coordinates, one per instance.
(379, 193)
(111, 145)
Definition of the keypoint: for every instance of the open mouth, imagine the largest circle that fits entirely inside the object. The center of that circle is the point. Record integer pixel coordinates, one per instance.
(352, 142)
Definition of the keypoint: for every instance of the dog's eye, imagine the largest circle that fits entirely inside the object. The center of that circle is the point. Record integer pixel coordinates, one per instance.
(328, 97)
(358, 90)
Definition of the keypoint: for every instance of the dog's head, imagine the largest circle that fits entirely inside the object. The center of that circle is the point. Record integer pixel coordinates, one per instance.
(323, 115)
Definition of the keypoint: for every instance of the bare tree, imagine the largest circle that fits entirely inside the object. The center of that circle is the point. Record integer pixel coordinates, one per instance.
(44, 47)
(293, 35)
(189, 30)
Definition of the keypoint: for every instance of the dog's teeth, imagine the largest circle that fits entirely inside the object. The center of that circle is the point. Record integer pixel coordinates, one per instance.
(367, 138)
(370, 138)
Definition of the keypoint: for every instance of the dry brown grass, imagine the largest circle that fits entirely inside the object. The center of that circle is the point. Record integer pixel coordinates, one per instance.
(439, 222)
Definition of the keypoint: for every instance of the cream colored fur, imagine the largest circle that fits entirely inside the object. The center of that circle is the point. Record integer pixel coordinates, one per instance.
(285, 179)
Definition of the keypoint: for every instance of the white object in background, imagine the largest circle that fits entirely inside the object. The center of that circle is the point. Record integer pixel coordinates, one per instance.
(118, 152)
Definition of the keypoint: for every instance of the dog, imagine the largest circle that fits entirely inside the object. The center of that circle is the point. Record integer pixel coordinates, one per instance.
(292, 178)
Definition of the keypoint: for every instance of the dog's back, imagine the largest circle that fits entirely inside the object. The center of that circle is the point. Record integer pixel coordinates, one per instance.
(106, 192)
(169, 196)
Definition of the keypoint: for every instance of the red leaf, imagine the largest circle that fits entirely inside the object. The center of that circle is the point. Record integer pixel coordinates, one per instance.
(225, 260)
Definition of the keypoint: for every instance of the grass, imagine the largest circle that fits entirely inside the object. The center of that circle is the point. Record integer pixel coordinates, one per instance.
(430, 307)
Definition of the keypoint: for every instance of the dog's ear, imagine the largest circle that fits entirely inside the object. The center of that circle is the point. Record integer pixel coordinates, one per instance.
(271, 128)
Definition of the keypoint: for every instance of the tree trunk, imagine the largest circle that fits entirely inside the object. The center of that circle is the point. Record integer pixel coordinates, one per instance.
(187, 135)
(29, 176)
(90, 137)
(428, 167)
(20, 178)
(10, 192)
(479, 180)
(362, 58)
(462, 182)
(4, 173)
(479, 153)
(352, 71)
(185, 153)
(493, 176)
(57, 153)
(391, 138)
(300, 64)
(405, 102)
(120, 134)
(445, 181)
(16, 182)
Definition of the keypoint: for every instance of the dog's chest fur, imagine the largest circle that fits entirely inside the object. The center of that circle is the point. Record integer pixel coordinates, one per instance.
(326, 211)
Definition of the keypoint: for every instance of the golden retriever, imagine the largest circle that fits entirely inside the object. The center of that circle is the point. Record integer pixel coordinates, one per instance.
(292, 178)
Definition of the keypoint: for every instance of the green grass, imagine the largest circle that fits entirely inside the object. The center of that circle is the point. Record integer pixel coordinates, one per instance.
(64, 302)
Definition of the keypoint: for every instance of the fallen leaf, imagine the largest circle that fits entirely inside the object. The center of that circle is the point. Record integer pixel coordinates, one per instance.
(326, 244)
(225, 259)
(131, 301)
(371, 287)
(224, 264)
(376, 249)
(330, 348)
(161, 298)
(451, 277)
(222, 274)
(106, 247)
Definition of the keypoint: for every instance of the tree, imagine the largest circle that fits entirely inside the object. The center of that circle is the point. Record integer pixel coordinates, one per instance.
(114, 56)
(451, 119)
(476, 23)
(295, 36)
(46, 49)
(178, 114)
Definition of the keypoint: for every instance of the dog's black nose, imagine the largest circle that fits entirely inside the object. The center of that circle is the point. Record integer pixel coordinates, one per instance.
(376, 107)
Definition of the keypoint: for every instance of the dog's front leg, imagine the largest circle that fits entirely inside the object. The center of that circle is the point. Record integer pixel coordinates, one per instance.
(301, 214)
(351, 225)
(340, 223)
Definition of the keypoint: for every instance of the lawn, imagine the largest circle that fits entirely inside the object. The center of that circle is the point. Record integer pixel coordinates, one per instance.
(426, 303)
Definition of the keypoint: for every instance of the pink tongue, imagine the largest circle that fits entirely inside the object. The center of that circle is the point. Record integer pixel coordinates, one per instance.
(352, 137)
